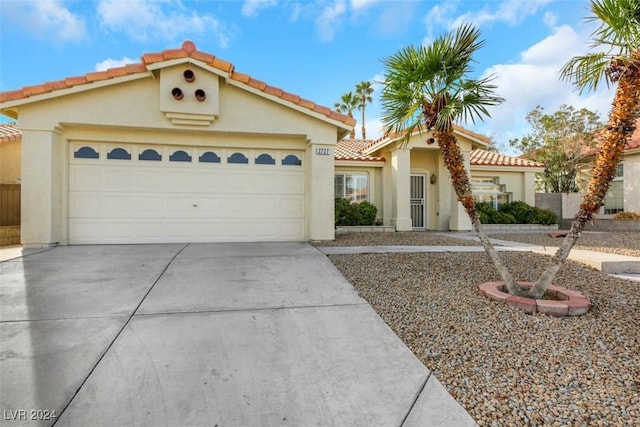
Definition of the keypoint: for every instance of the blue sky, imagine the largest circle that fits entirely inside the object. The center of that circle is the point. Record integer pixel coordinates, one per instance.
(318, 49)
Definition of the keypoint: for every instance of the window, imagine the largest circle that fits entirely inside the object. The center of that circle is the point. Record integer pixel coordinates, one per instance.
(86, 153)
(291, 160)
(237, 158)
(209, 157)
(265, 159)
(489, 190)
(119, 154)
(353, 187)
(180, 156)
(614, 200)
(150, 154)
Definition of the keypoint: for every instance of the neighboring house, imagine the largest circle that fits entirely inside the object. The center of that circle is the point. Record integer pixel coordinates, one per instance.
(182, 148)
(10, 164)
(624, 192)
(411, 187)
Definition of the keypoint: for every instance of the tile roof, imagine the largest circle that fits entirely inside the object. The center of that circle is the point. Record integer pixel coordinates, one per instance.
(10, 133)
(352, 149)
(188, 50)
(491, 158)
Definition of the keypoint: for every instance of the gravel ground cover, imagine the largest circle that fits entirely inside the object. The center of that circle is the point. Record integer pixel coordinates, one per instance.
(621, 243)
(402, 238)
(505, 367)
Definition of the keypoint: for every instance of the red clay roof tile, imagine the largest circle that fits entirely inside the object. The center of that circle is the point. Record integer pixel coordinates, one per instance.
(241, 77)
(491, 158)
(351, 149)
(188, 49)
(10, 132)
(258, 84)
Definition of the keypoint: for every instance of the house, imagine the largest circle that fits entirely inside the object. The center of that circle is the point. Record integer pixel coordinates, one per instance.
(183, 148)
(411, 187)
(623, 194)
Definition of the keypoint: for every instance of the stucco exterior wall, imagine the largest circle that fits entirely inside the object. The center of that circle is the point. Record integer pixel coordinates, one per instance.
(10, 162)
(632, 182)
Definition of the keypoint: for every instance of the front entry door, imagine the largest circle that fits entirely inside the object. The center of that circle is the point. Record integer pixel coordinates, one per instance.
(417, 201)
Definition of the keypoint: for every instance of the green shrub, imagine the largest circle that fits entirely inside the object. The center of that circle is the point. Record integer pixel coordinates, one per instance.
(353, 214)
(517, 212)
(503, 218)
(368, 212)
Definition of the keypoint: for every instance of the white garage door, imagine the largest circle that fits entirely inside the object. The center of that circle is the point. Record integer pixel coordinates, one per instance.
(122, 193)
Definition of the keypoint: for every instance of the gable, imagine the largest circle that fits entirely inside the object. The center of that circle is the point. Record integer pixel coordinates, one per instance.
(166, 69)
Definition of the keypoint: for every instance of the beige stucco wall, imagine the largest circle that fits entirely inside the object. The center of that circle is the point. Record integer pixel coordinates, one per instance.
(10, 162)
(130, 112)
(632, 181)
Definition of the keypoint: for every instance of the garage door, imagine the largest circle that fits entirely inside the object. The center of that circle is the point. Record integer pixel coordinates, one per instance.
(148, 194)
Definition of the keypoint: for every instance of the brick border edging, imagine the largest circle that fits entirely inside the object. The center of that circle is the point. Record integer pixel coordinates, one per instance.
(570, 302)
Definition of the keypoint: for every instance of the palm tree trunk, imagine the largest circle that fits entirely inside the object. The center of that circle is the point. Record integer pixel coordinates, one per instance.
(455, 164)
(352, 134)
(621, 124)
(364, 130)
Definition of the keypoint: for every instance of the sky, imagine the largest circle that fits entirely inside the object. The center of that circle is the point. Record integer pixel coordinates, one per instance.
(317, 49)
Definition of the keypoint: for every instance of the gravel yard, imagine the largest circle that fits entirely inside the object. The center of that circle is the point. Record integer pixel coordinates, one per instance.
(503, 366)
(402, 238)
(621, 243)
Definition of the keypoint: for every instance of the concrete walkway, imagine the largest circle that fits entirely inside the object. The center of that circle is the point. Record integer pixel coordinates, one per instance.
(202, 334)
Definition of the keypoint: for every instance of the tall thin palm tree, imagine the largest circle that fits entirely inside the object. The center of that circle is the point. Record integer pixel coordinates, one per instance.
(426, 88)
(348, 102)
(617, 60)
(364, 92)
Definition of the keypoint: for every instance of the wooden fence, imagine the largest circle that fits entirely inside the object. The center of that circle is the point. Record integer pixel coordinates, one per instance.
(9, 204)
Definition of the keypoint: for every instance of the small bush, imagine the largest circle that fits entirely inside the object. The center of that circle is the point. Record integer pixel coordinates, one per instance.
(368, 212)
(515, 213)
(627, 215)
(353, 214)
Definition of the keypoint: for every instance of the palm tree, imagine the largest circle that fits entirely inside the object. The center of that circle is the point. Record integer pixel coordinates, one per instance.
(426, 89)
(364, 91)
(619, 33)
(348, 103)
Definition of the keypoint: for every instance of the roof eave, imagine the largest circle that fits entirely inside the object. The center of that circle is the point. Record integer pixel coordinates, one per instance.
(508, 168)
(12, 105)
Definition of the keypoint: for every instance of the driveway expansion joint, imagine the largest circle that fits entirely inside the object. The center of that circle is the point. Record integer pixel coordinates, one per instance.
(117, 335)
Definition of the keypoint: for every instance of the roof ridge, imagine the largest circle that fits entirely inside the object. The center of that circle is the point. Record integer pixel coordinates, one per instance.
(187, 50)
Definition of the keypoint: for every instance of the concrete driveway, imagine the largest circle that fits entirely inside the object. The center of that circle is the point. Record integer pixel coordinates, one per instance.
(252, 334)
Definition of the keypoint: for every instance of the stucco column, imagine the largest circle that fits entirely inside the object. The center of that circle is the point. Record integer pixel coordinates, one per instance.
(459, 220)
(529, 189)
(43, 171)
(401, 178)
(320, 191)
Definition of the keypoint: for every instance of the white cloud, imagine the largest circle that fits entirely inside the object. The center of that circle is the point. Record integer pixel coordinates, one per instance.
(362, 4)
(509, 11)
(329, 19)
(535, 80)
(251, 7)
(114, 63)
(48, 19)
(165, 19)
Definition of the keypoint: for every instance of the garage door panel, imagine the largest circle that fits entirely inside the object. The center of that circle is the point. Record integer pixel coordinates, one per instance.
(148, 206)
(85, 178)
(118, 179)
(119, 201)
(87, 205)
